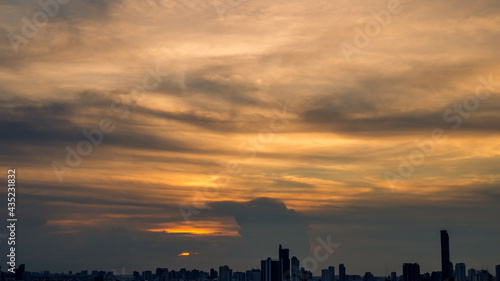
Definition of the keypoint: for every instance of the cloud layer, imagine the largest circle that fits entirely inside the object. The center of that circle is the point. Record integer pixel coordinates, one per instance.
(264, 85)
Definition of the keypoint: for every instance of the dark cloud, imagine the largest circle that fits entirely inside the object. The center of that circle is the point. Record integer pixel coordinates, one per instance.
(265, 223)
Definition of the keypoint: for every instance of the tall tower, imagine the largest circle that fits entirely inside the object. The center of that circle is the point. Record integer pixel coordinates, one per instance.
(331, 273)
(497, 272)
(411, 272)
(284, 263)
(225, 273)
(460, 272)
(295, 269)
(270, 270)
(325, 275)
(445, 256)
(394, 276)
(341, 272)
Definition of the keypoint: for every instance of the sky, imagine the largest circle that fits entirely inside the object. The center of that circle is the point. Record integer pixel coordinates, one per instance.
(142, 130)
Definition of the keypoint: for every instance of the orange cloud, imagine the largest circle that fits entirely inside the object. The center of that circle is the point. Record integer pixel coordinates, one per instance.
(212, 228)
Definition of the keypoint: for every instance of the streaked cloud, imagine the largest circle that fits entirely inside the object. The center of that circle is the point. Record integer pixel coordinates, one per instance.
(322, 174)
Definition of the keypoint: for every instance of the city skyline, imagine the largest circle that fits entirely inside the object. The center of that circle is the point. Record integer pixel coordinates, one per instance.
(200, 133)
(285, 268)
(280, 269)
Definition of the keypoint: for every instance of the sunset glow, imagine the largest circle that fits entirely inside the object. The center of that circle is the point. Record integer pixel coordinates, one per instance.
(144, 129)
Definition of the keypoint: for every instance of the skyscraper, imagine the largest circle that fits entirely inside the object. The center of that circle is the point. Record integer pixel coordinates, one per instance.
(394, 276)
(295, 269)
(471, 274)
(460, 272)
(253, 275)
(328, 274)
(305, 275)
(270, 270)
(20, 271)
(239, 276)
(445, 256)
(483, 275)
(284, 263)
(368, 277)
(341, 272)
(146, 275)
(411, 272)
(497, 272)
(325, 275)
(225, 273)
(213, 273)
(331, 271)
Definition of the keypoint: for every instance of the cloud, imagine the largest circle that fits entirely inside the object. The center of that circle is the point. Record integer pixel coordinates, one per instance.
(348, 124)
(264, 224)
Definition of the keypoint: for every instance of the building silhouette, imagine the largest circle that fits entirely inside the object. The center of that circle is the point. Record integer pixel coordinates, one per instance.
(239, 276)
(394, 276)
(20, 272)
(253, 275)
(341, 272)
(460, 272)
(282, 269)
(270, 270)
(225, 273)
(213, 274)
(471, 273)
(284, 259)
(295, 269)
(305, 275)
(482, 275)
(368, 277)
(411, 272)
(445, 256)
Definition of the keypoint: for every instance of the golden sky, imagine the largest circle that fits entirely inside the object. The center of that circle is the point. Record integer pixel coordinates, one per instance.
(286, 117)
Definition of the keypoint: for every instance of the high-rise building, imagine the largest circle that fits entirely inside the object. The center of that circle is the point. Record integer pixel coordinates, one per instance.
(27, 276)
(325, 275)
(225, 273)
(270, 270)
(20, 271)
(368, 277)
(239, 276)
(146, 275)
(436, 276)
(497, 272)
(284, 263)
(213, 274)
(445, 256)
(483, 275)
(341, 272)
(305, 275)
(471, 274)
(295, 269)
(451, 272)
(460, 272)
(328, 274)
(161, 274)
(411, 272)
(394, 276)
(253, 275)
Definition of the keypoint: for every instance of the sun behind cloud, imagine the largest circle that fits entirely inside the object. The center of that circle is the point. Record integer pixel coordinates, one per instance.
(186, 254)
